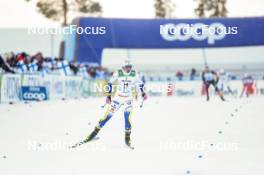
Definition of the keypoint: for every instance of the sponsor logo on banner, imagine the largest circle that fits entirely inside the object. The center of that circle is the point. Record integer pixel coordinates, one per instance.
(34, 93)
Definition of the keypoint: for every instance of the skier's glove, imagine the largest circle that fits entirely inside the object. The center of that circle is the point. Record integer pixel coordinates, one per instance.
(108, 99)
(144, 96)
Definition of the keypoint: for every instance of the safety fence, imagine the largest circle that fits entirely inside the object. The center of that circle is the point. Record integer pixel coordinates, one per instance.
(15, 88)
(197, 89)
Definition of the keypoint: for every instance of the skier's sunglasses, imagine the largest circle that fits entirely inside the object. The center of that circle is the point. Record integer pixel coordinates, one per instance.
(129, 66)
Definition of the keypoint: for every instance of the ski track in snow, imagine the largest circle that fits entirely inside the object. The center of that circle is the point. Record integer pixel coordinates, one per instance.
(172, 136)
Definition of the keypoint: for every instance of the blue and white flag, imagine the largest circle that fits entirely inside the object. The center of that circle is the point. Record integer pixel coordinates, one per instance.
(33, 67)
(44, 72)
(50, 63)
(64, 68)
(83, 71)
(22, 68)
(100, 74)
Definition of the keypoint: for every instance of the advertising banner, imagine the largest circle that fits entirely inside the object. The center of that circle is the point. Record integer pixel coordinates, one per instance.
(95, 34)
(33, 93)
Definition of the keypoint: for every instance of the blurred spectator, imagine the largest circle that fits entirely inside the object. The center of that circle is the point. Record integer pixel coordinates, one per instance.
(10, 58)
(179, 75)
(82, 71)
(100, 73)
(193, 74)
(5, 66)
(38, 60)
(74, 68)
(92, 71)
(248, 85)
(23, 57)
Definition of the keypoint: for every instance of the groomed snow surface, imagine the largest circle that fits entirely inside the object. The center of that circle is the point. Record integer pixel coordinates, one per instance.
(172, 136)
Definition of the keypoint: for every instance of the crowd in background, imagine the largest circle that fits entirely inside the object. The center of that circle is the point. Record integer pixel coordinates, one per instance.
(37, 63)
(24, 63)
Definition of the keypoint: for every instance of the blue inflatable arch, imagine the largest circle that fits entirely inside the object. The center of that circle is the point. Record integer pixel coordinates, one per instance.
(95, 34)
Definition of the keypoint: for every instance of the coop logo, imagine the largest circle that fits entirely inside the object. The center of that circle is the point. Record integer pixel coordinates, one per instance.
(198, 32)
(34, 96)
(34, 93)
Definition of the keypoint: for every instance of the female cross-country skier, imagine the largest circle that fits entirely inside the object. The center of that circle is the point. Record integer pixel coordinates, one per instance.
(126, 80)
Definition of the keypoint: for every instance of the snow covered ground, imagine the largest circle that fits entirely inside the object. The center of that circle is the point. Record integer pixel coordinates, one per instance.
(172, 136)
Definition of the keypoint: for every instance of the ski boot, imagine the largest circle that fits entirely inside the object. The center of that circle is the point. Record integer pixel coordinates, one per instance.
(92, 135)
(127, 139)
(222, 97)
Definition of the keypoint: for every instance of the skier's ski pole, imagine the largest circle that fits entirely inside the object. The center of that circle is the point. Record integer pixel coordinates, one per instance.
(104, 105)
(142, 103)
